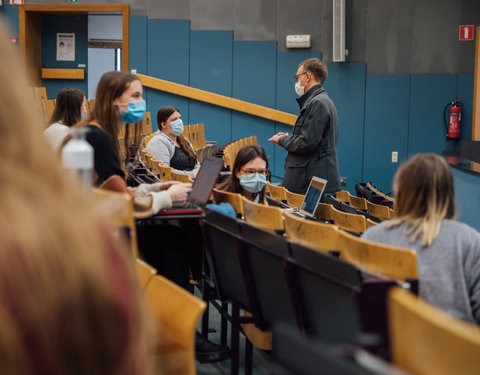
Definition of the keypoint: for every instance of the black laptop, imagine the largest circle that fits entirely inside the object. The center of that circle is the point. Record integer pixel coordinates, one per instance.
(201, 189)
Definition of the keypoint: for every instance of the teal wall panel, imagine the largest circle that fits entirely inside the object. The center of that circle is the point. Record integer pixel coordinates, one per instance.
(254, 76)
(429, 93)
(10, 14)
(465, 92)
(168, 57)
(467, 196)
(217, 121)
(386, 127)
(345, 84)
(51, 25)
(137, 48)
(211, 70)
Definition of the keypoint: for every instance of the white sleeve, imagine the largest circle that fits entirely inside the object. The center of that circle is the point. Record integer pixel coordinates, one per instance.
(161, 200)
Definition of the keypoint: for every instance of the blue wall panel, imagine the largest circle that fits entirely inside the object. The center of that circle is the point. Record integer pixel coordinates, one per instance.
(137, 49)
(10, 14)
(465, 92)
(386, 127)
(429, 93)
(168, 58)
(51, 25)
(467, 196)
(254, 75)
(211, 70)
(345, 84)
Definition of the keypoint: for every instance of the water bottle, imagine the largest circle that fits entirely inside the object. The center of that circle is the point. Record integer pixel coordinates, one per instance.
(77, 157)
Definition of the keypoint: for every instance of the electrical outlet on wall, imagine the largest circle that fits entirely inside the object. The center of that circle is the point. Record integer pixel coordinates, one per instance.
(394, 156)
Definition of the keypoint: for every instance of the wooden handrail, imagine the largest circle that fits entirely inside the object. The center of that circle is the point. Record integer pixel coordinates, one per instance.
(217, 99)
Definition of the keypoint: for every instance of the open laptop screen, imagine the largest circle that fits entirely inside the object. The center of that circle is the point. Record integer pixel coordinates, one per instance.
(313, 196)
(205, 180)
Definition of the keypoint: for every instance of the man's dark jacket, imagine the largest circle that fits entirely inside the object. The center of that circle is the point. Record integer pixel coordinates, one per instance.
(312, 146)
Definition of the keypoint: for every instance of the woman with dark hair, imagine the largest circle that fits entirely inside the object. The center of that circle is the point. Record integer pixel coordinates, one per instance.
(448, 252)
(170, 146)
(249, 174)
(70, 108)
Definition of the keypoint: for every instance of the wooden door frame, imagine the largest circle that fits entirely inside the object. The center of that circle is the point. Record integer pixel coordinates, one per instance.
(30, 32)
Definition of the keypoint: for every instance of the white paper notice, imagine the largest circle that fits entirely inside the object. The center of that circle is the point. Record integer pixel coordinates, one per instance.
(65, 46)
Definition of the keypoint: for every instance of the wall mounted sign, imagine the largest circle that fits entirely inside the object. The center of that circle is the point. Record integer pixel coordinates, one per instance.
(65, 46)
(465, 32)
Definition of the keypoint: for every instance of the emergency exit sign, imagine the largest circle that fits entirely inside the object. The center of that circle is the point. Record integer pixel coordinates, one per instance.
(465, 32)
(73, 1)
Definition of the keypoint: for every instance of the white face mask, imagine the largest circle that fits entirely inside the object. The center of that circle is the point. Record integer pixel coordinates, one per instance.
(300, 90)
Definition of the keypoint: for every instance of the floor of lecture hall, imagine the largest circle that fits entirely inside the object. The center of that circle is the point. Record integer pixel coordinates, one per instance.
(260, 358)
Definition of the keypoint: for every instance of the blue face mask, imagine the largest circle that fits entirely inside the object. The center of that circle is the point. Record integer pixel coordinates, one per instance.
(135, 112)
(177, 127)
(253, 183)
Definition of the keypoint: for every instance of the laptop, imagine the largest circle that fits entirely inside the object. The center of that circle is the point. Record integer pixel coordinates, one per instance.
(201, 189)
(312, 196)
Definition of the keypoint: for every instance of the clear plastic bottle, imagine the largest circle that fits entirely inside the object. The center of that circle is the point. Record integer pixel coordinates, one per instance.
(77, 157)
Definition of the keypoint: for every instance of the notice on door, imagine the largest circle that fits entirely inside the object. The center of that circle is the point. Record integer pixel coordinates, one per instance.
(65, 46)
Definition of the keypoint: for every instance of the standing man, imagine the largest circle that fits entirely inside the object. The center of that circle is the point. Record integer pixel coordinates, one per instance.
(312, 146)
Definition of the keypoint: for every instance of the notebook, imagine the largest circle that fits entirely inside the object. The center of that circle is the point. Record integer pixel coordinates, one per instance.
(201, 189)
(312, 196)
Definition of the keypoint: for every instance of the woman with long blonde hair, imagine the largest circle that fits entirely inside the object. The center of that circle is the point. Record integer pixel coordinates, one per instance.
(448, 252)
(69, 302)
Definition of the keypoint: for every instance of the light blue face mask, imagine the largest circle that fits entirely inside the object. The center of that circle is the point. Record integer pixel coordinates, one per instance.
(177, 127)
(253, 183)
(135, 112)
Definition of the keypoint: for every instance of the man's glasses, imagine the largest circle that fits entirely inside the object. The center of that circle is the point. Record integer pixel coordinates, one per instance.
(263, 172)
(297, 76)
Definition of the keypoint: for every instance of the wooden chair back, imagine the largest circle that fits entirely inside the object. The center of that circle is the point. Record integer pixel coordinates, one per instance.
(276, 192)
(181, 177)
(389, 261)
(370, 223)
(146, 124)
(165, 173)
(343, 196)
(293, 199)
(324, 211)
(378, 210)
(178, 313)
(358, 202)
(201, 136)
(49, 108)
(145, 272)
(117, 208)
(265, 217)
(352, 222)
(234, 199)
(319, 236)
(425, 340)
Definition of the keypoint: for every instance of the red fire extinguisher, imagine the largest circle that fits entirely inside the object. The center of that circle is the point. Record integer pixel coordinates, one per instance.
(454, 110)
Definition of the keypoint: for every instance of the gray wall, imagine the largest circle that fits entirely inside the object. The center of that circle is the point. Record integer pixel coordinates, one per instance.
(391, 36)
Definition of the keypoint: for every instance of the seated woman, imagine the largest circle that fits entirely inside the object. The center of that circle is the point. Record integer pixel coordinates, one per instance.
(448, 252)
(170, 146)
(70, 108)
(119, 101)
(249, 174)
